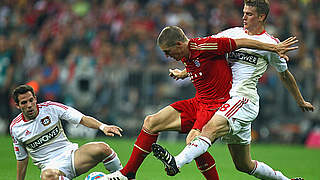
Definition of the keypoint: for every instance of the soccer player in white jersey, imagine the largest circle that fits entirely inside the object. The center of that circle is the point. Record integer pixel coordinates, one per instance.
(233, 120)
(37, 132)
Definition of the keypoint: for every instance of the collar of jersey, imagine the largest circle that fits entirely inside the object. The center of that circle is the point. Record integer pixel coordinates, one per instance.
(246, 31)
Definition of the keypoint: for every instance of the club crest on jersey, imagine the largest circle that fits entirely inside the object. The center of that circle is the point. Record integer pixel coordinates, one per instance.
(196, 62)
(46, 121)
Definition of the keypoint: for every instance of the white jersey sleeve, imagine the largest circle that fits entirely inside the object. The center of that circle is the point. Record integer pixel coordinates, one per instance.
(278, 63)
(72, 115)
(67, 113)
(19, 149)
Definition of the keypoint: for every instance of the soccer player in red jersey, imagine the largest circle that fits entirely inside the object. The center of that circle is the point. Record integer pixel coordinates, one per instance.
(232, 122)
(206, 65)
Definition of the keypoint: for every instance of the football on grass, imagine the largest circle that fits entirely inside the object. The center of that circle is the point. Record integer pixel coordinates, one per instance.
(96, 176)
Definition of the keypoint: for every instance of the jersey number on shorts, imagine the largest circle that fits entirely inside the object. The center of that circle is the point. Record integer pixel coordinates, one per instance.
(224, 107)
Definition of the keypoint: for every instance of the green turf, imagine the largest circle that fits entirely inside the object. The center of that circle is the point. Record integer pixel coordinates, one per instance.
(291, 160)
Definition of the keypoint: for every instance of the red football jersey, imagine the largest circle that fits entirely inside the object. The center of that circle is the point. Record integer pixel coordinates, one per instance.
(208, 68)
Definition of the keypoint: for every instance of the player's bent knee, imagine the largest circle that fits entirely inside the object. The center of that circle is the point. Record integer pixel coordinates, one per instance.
(152, 124)
(50, 174)
(148, 121)
(97, 149)
(102, 147)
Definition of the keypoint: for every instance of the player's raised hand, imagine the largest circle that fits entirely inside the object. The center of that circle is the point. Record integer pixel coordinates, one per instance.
(285, 46)
(178, 74)
(111, 130)
(306, 106)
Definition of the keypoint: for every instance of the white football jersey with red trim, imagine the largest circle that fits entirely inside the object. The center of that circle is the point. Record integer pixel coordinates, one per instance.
(248, 65)
(43, 138)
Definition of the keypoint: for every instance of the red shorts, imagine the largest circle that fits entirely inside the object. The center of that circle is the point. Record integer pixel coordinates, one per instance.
(194, 114)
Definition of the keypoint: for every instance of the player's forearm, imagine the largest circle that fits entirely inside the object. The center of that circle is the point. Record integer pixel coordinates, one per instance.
(22, 169)
(90, 122)
(253, 44)
(21, 175)
(290, 83)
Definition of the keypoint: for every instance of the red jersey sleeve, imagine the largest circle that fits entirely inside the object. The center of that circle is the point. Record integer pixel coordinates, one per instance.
(218, 46)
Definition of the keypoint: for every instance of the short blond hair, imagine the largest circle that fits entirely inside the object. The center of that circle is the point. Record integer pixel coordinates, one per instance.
(170, 35)
(263, 6)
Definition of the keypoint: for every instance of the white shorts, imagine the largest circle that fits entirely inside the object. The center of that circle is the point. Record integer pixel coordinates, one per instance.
(64, 162)
(240, 112)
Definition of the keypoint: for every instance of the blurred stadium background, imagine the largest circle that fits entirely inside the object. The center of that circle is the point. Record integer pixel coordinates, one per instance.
(100, 56)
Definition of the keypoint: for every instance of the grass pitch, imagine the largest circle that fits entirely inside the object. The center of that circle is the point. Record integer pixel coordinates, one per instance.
(291, 160)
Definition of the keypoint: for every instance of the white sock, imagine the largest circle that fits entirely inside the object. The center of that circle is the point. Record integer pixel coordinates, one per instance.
(194, 149)
(263, 171)
(112, 162)
(63, 178)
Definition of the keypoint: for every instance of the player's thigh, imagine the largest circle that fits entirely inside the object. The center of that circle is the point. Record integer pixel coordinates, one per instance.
(164, 120)
(217, 126)
(90, 154)
(241, 157)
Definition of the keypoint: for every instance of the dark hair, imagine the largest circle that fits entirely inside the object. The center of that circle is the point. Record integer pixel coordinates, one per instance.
(263, 6)
(22, 89)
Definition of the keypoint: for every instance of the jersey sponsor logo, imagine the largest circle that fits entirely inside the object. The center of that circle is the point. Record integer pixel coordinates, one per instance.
(243, 56)
(54, 132)
(45, 121)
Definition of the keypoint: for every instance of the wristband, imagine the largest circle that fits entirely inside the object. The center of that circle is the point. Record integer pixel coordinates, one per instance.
(101, 127)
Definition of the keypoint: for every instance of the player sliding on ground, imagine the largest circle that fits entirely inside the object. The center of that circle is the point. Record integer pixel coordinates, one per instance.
(37, 132)
(233, 120)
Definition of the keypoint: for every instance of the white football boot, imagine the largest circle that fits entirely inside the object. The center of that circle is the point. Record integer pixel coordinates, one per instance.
(116, 176)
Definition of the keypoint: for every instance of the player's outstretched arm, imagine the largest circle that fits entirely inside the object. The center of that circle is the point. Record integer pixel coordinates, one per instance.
(280, 48)
(285, 46)
(290, 83)
(22, 168)
(178, 74)
(109, 130)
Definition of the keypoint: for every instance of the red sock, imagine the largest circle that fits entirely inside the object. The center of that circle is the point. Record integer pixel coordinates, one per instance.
(141, 149)
(207, 166)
